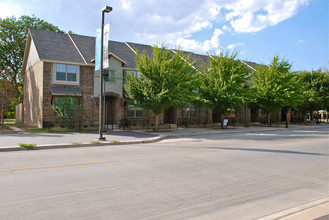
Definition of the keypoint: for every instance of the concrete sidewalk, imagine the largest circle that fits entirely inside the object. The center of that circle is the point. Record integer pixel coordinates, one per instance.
(315, 210)
(10, 142)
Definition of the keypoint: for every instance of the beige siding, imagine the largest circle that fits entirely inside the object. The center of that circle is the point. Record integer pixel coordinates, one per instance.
(113, 87)
(33, 56)
(33, 95)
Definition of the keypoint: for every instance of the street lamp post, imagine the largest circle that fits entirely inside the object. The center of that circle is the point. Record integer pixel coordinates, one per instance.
(246, 125)
(287, 118)
(106, 9)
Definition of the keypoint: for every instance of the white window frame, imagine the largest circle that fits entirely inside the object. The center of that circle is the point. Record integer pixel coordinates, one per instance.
(62, 82)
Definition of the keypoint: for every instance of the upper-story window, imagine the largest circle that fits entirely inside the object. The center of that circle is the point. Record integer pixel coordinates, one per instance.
(109, 75)
(134, 72)
(66, 74)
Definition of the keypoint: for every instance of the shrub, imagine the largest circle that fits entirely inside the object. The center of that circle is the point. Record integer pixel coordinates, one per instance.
(27, 146)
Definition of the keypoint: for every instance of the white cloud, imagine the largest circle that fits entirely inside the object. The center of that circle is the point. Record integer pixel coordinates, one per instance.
(172, 21)
(226, 28)
(9, 9)
(300, 41)
(126, 5)
(255, 15)
(234, 46)
(177, 21)
(189, 44)
(201, 47)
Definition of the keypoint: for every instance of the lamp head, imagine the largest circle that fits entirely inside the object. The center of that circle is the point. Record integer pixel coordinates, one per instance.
(107, 9)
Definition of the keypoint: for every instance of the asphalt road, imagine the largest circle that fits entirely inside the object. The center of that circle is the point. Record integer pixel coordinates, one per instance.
(227, 176)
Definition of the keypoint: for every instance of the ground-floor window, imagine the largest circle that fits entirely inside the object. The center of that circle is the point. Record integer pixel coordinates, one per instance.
(67, 106)
(189, 111)
(134, 111)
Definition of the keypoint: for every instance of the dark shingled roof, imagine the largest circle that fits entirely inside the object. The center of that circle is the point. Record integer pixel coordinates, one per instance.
(55, 46)
(141, 48)
(59, 47)
(200, 60)
(122, 51)
(86, 46)
(252, 64)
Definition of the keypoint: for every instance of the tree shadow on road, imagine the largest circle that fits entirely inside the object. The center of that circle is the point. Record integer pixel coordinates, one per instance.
(266, 135)
(269, 151)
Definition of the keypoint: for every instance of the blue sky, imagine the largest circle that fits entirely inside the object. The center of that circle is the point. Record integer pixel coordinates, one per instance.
(297, 30)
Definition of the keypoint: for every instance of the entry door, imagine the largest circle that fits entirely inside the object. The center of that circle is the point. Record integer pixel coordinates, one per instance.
(111, 110)
(170, 116)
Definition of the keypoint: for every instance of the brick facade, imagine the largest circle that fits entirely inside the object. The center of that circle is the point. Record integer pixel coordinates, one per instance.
(40, 85)
(89, 102)
(39, 99)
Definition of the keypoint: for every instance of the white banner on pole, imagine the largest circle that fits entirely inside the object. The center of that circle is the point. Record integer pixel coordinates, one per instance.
(106, 62)
(98, 50)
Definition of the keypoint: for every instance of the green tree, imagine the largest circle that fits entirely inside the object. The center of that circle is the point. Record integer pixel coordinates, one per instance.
(222, 85)
(166, 79)
(275, 87)
(13, 34)
(315, 89)
(308, 91)
(7, 93)
(324, 91)
(320, 82)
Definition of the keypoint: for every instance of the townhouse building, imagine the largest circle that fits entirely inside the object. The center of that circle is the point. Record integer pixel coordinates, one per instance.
(60, 65)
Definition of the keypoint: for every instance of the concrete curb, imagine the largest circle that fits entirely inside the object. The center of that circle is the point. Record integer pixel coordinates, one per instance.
(150, 140)
(86, 144)
(294, 210)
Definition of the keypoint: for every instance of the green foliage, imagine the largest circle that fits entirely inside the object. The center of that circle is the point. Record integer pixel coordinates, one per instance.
(324, 89)
(222, 84)
(27, 146)
(315, 86)
(165, 80)
(67, 107)
(7, 93)
(13, 35)
(11, 112)
(37, 131)
(275, 87)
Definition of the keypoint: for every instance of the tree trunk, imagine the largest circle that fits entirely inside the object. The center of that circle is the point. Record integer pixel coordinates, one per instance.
(15, 85)
(2, 120)
(157, 122)
(269, 119)
(222, 121)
